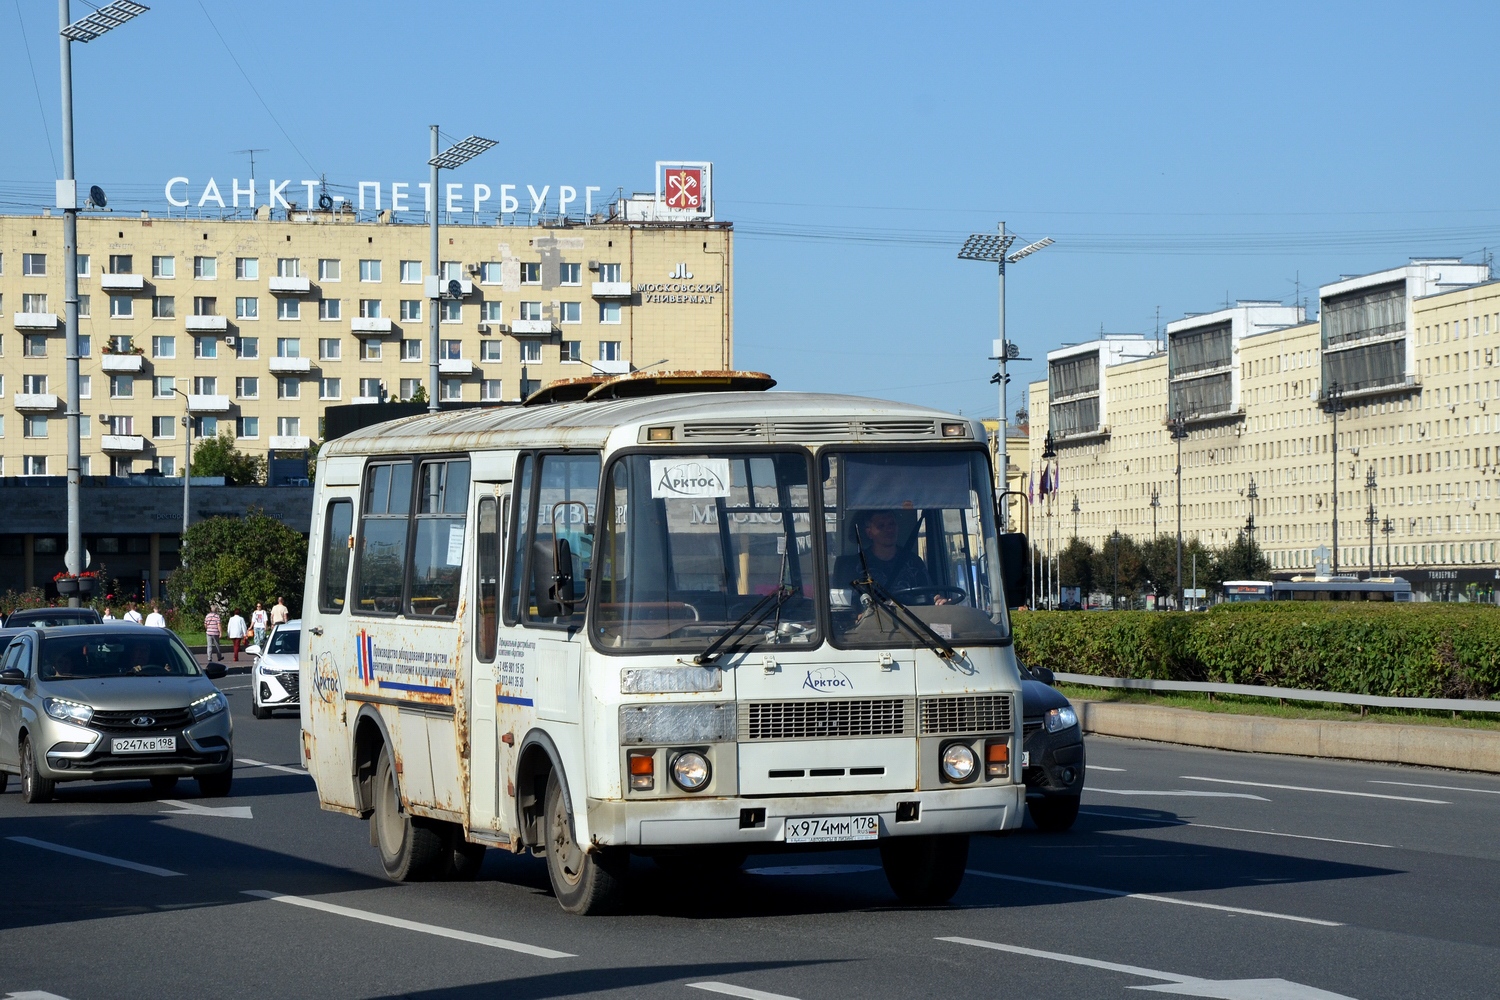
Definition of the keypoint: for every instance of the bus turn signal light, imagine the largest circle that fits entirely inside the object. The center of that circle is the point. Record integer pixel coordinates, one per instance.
(997, 760)
(642, 772)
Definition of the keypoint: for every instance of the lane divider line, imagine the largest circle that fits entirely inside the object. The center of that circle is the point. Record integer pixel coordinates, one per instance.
(1240, 829)
(1184, 792)
(1324, 791)
(274, 767)
(1150, 897)
(1092, 963)
(1101, 767)
(731, 990)
(1441, 788)
(409, 925)
(101, 858)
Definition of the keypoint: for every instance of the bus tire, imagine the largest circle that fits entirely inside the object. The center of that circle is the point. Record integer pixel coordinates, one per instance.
(925, 871)
(1054, 815)
(585, 882)
(462, 860)
(411, 850)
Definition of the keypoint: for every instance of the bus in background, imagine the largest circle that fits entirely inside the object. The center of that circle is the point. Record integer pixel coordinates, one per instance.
(1243, 591)
(1342, 588)
(668, 614)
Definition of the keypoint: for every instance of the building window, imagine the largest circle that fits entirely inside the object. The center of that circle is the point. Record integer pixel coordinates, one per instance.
(247, 427)
(450, 389)
(35, 385)
(531, 351)
(121, 344)
(121, 387)
(330, 309)
(490, 350)
(205, 305)
(453, 311)
(83, 265)
(166, 465)
(85, 390)
(33, 426)
(330, 349)
(531, 310)
(205, 347)
(34, 265)
(163, 267)
(411, 350)
(609, 272)
(452, 270)
(369, 308)
(163, 307)
(288, 267)
(571, 312)
(489, 390)
(489, 273)
(247, 387)
(34, 345)
(34, 465)
(205, 385)
(288, 388)
(85, 345)
(288, 309)
(246, 268)
(609, 312)
(329, 269)
(85, 308)
(529, 386)
(328, 388)
(289, 426)
(119, 263)
(164, 427)
(570, 274)
(34, 302)
(568, 351)
(369, 388)
(369, 349)
(531, 273)
(122, 426)
(411, 310)
(450, 350)
(247, 348)
(492, 312)
(121, 307)
(289, 347)
(120, 468)
(609, 350)
(369, 270)
(409, 387)
(205, 427)
(411, 272)
(164, 386)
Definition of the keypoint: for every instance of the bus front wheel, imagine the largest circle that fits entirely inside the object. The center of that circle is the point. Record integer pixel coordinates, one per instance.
(585, 882)
(925, 870)
(410, 849)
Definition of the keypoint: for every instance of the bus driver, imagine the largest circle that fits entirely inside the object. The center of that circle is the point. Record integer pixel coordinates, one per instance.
(893, 569)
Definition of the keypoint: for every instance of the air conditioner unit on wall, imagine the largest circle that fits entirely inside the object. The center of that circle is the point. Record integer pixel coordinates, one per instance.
(474, 268)
(484, 329)
(231, 341)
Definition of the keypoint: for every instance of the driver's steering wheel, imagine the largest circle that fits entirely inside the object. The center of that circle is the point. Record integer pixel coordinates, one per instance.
(929, 595)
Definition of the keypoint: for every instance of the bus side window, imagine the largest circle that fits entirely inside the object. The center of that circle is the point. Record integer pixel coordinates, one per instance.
(517, 566)
(568, 488)
(438, 552)
(381, 570)
(487, 607)
(338, 525)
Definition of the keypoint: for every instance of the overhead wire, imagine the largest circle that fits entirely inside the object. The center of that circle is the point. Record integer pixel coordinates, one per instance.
(46, 130)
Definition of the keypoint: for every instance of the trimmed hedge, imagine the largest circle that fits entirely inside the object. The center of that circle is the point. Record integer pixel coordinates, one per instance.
(1403, 651)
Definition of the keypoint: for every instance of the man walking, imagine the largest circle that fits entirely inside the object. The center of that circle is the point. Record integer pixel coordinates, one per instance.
(258, 623)
(213, 629)
(236, 633)
(279, 613)
(131, 614)
(156, 619)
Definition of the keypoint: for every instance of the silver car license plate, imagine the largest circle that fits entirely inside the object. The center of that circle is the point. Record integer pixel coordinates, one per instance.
(831, 829)
(145, 744)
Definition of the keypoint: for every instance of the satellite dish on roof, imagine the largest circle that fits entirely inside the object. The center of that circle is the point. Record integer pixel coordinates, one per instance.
(454, 288)
(96, 195)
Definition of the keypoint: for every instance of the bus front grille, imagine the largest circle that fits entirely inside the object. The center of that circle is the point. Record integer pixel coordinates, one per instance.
(826, 719)
(975, 713)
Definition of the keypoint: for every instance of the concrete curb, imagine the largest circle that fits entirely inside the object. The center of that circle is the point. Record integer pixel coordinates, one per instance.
(1429, 746)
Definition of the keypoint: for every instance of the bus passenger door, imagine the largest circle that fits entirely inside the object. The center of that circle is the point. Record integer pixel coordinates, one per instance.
(488, 761)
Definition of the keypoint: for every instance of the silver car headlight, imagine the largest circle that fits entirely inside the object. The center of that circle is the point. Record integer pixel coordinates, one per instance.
(1059, 719)
(68, 711)
(208, 705)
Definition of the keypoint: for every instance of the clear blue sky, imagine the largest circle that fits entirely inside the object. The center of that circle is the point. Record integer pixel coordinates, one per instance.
(1178, 153)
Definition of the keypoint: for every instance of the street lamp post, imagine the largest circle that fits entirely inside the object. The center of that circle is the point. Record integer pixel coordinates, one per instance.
(1333, 403)
(1178, 427)
(1387, 528)
(1049, 452)
(83, 30)
(187, 458)
(1075, 517)
(1155, 506)
(1371, 520)
(1252, 495)
(454, 156)
(1114, 591)
(994, 248)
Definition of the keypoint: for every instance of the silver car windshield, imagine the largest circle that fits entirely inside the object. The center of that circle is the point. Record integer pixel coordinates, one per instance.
(138, 654)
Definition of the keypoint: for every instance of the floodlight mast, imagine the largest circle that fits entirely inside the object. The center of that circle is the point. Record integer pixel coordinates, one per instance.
(456, 155)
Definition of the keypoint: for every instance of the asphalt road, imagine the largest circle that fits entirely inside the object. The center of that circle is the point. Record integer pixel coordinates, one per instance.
(1191, 872)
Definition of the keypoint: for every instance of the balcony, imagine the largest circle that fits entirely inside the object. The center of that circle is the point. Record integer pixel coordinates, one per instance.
(291, 366)
(364, 400)
(36, 402)
(36, 321)
(620, 367)
(290, 442)
(123, 364)
(208, 404)
(612, 290)
(531, 328)
(122, 282)
(123, 444)
(369, 325)
(290, 286)
(455, 366)
(207, 324)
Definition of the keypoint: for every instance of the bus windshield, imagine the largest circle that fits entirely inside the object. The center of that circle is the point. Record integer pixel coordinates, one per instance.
(688, 544)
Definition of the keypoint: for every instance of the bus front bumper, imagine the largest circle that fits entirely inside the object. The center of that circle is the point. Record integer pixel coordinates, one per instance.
(684, 821)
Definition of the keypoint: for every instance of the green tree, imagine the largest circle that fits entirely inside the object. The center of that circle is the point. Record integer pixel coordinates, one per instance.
(1241, 559)
(237, 561)
(1075, 566)
(1118, 568)
(420, 396)
(217, 456)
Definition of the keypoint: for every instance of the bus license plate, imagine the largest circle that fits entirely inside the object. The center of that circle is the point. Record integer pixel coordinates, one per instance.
(832, 829)
(151, 744)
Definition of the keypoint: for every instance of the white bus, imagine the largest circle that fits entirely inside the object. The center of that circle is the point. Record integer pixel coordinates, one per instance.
(681, 617)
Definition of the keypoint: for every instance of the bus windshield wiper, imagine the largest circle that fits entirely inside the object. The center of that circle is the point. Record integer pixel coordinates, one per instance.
(900, 614)
(747, 622)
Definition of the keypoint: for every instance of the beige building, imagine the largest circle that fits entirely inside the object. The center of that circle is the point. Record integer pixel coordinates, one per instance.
(1415, 355)
(254, 326)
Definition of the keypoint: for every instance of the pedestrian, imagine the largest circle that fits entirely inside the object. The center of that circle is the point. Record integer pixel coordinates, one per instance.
(109, 613)
(258, 622)
(212, 629)
(155, 619)
(236, 633)
(132, 615)
(279, 613)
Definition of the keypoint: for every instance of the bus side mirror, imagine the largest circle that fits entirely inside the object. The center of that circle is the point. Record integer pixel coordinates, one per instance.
(562, 574)
(1015, 568)
(543, 566)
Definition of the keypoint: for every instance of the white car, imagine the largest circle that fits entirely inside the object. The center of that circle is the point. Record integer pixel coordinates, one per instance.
(275, 682)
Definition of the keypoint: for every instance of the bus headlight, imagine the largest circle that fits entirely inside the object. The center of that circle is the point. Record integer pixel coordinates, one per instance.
(958, 762)
(690, 771)
(1059, 719)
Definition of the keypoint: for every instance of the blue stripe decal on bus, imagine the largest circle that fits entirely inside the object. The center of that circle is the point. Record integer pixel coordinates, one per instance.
(505, 699)
(424, 688)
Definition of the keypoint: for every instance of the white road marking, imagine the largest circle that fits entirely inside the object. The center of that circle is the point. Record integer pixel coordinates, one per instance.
(813, 870)
(101, 858)
(410, 925)
(1187, 793)
(1240, 829)
(195, 809)
(729, 989)
(1441, 788)
(1149, 897)
(1101, 767)
(34, 995)
(1325, 791)
(1190, 986)
(274, 767)
(233, 687)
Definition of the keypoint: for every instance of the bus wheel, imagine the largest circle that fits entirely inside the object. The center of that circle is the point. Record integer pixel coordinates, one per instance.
(925, 870)
(585, 882)
(410, 849)
(461, 859)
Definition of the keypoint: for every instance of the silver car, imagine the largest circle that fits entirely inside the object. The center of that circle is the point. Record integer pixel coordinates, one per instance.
(276, 678)
(106, 702)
